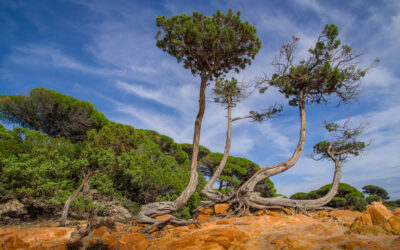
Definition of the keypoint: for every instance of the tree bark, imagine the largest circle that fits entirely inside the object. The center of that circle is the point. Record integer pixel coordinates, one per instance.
(67, 204)
(208, 189)
(149, 211)
(266, 172)
(258, 202)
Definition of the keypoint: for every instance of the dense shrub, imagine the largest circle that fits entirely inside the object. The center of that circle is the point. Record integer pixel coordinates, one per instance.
(347, 196)
(373, 198)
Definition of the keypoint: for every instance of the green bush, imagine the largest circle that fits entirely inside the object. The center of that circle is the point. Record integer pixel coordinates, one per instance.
(337, 202)
(373, 198)
(350, 195)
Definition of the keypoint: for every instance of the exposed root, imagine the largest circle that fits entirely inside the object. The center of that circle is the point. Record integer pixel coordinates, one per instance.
(170, 220)
(205, 204)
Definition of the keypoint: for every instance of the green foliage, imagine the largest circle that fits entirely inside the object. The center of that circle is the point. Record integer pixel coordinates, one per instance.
(203, 151)
(204, 44)
(337, 202)
(355, 200)
(375, 190)
(352, 197)
(227, 92)
(373, 198)
(392, 204)
(51, 112)
(39, 167)
(330, 69)
(235, 172)
(300, 196)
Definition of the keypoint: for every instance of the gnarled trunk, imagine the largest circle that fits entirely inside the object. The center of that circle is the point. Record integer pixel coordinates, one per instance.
(149, 211)
(258, 202)
(266, 172)
(208, 189)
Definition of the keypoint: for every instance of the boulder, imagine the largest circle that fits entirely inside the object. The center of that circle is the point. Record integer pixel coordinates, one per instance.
(379, 213)
(12, 209)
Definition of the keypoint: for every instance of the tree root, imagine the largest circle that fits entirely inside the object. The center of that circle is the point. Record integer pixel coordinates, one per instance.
(170, 220)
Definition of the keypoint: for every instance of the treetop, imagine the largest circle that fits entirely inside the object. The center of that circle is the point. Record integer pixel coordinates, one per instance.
(209, 45)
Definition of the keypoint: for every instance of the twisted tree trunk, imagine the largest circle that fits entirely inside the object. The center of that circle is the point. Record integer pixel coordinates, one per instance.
(149, 211)
(208, 189)
(266, 172)
(258, 202)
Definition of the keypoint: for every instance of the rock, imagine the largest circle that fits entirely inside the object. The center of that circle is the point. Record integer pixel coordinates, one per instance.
(396, 211)
(99, 231)
(110, 240)
(207, 211)
(203, 218)
(132, 237)
(12, 242)
(395, 224)
(221, 208)
(161, 217)
(259, 212)
(12, 208)
(379, 213)
(271, 213)
(346, 217)
(118, 213)
(364, 220)
(34, 237)
(213, 237)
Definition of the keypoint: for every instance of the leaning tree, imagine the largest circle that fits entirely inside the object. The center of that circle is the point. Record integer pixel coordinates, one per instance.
(331, 69)
(229, 93)
(209, 46)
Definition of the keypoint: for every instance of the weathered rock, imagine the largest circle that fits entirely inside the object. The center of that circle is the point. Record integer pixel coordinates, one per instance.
(14, 238)
(395, 224)
(396, 211)
(161, 217)
(221, 208)
(207, 211)
(12, 209)
(99, 232)
(203, 218)
(346, 217)
(376, 219)
(364, 220)
(379, 213)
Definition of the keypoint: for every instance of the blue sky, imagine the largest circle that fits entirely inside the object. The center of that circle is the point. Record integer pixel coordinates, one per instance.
(104, 52)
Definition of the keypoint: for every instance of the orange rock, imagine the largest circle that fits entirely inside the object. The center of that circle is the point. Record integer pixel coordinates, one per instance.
(203, 218)
(221, 208)
(379, 213)
(207, 210)
(161, 217)
(364, 220)
(132, 238)
(271, 213)
(135, 229)
(225, 221)
(353, 244)
(336, 239)
(259, 212)
(395, 224)
(12, 242)
(110, 240)
(99, 231)
(346, 217)
(396, 211)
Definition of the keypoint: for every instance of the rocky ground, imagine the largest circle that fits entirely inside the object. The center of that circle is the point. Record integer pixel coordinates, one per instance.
(376, 228)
